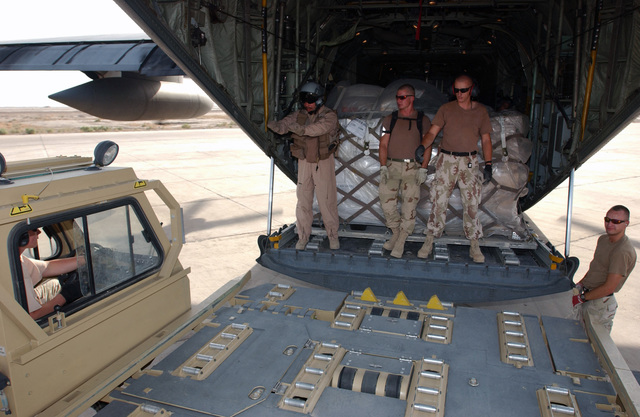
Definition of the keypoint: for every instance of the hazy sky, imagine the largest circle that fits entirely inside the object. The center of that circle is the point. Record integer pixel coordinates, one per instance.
(41, 19)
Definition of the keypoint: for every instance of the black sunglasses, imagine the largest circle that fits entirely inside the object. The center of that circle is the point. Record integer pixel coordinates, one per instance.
(403, 97)
(614, 221)
(461, 90)
(308, 98)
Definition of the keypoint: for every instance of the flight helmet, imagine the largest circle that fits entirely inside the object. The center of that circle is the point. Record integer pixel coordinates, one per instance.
(312, 92)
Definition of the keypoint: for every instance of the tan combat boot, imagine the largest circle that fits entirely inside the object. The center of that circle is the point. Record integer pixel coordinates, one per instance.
(389, 244)
(475, 252)
(398, 248)
(302, 244)
(334, 244)
(425, 250)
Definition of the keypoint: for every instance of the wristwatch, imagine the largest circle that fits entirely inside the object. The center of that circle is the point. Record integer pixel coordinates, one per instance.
(582, 297)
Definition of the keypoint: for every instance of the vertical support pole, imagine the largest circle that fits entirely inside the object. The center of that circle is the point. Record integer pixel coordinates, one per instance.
(279, 36)
(270, 207)
(577, 70)
(592, 68)
(308, 40)
(265, 88)
(556, 66)
(248, 97)
(533, 130)
(265, 85)
(543, 96)
(297, 57)
(567, 236)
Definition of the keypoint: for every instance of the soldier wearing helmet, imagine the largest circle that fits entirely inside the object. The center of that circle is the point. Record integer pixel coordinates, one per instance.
(314, 131)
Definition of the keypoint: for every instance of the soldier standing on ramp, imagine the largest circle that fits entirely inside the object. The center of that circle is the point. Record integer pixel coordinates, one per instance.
(463, 121)
(314, 130)
(399, 171)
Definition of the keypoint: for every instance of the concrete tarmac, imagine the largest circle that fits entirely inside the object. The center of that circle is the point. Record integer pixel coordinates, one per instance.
(221, 179)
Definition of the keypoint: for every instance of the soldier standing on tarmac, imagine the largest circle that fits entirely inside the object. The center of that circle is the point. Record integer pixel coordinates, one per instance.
(462, 122)
(313, 129)
(613, 261)
(399, 171)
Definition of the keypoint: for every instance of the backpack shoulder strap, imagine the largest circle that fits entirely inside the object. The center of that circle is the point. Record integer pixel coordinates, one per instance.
(419, 122)
(394, 119)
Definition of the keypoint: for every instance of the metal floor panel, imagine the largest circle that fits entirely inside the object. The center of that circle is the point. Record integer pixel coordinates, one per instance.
(478, 382)
(569, 347)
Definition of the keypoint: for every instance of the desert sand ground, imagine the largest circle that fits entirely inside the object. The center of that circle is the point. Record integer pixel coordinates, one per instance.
(28, 121)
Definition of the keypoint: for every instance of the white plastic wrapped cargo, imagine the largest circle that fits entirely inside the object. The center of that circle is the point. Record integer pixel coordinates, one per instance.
(357, 172)
(509, 139)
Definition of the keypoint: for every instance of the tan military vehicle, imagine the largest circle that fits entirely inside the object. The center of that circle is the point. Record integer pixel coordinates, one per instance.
(134, 292)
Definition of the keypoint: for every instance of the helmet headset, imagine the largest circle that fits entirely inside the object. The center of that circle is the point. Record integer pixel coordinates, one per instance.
(24, 239)
(312, 92)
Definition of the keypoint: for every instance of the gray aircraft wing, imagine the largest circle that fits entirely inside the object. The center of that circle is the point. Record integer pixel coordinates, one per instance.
(141, 56)
(132, 78)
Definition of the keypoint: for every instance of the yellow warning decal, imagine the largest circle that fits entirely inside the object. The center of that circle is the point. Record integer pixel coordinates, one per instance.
(434, 303)
(401, 299)
(16, 211)
(140, 184)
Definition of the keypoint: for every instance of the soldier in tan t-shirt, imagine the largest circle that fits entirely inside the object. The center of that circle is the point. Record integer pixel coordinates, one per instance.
(613, 261)
(400, 173)
(42, 297)
(462, 121)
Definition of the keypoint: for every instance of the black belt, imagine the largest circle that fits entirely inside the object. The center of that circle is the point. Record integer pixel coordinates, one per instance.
(459, 153)
(401, 160)
(587, 290)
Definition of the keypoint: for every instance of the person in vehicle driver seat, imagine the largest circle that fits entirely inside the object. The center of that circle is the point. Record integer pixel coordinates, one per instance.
(42, 297)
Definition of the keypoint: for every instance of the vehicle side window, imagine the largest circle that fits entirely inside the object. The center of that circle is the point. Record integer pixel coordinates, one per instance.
(114, 246)
(120, 247)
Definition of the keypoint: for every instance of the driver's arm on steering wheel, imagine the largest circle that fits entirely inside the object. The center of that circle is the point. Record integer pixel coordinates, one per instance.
(56, 267)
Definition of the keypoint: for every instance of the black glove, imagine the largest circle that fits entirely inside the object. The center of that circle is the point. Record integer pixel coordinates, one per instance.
(71, 291)
(488, 173)
(420, 154)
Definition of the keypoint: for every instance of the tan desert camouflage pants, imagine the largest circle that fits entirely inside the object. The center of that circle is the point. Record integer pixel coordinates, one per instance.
(318, 178)
(601, 311)
(402, 179)
(452, 170)
(47, 290)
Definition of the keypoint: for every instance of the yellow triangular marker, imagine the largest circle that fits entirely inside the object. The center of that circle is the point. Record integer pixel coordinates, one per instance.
(556, 259)
(367, 295)
(434, 303)
(401, 299)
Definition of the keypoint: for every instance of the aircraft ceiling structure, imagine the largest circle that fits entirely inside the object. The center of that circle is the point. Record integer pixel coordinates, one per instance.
(251, 56)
